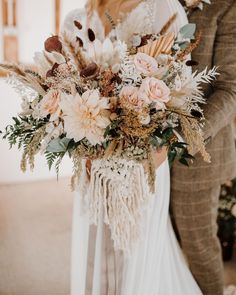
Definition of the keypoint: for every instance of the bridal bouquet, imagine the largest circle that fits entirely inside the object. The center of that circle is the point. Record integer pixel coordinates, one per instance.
(113, 102)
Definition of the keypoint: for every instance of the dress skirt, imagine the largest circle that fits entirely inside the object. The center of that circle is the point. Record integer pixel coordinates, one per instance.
(154, 266)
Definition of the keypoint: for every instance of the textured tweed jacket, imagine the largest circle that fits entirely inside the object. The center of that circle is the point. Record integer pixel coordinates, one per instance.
(217, 22)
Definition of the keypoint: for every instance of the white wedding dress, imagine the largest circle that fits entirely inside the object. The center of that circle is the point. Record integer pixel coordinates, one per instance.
(156, 265)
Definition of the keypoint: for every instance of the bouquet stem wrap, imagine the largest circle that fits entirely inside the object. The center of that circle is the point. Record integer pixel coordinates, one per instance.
(118, 190)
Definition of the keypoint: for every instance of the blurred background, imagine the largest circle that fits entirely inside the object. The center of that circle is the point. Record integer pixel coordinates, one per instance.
(35, 208)
(24, 26)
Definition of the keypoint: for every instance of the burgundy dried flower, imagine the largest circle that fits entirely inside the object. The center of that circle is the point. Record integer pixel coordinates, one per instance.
(91, 35)
(191, 63)
(78, 25)
(52, 72)
(53, 44)
(90, 71)
(81, 43)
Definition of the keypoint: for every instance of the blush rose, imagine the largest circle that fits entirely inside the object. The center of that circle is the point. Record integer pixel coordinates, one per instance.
(155, 91)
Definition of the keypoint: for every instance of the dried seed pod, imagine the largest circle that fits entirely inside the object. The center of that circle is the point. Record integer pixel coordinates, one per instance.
(196, 114)
(53, 44)
(80, 41)
(191, 63)
(144, 39)
(91, 35)
(51, 73)
(116, 79)
(90, 71)
(78, 25)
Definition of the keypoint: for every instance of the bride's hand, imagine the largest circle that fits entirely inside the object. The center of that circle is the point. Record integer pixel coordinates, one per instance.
(160, 156)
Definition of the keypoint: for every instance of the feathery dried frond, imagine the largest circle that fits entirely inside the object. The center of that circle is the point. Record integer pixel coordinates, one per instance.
(189, 49)
(24, 76)
(138, 22)
(161, 45)
(73, 53)
(13, 68)
(110, 19)
(194, 137)
(32, 149)
(168, 24)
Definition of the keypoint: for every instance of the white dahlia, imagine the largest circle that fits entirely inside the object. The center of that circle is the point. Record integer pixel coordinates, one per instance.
(84, 116)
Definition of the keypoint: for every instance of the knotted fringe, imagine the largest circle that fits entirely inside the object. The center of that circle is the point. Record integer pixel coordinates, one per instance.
(118, 189)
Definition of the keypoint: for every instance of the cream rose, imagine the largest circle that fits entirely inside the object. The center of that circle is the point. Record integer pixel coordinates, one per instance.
(129, 97)
(155, 91)
(145, 64)
(49, 105)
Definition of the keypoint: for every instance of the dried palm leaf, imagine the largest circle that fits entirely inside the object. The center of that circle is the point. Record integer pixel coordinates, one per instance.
(110, 149)
(24, 76)
(161, 45)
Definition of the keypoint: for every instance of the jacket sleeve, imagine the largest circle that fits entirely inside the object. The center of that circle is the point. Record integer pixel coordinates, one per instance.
(220, 109)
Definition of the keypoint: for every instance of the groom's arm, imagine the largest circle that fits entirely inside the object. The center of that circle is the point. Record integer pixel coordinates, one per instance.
(220, 109)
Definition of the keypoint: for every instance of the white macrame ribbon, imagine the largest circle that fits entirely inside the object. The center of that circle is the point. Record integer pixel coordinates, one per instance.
(118, 189)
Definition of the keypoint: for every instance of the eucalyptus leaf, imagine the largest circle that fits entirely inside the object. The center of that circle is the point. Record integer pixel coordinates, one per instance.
(184, 162)
(188, 156)
(181, 145)
(58, 145)
(183, 45)
(187, 31)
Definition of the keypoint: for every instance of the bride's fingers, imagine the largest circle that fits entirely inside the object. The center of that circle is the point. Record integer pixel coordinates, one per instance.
(160, 156)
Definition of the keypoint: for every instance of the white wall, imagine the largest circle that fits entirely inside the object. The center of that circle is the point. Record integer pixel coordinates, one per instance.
(1, 33)
(35, 24)
(68, 5)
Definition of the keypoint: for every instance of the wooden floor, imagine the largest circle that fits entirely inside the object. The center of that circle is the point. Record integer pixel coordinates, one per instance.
(35, 234)
(35, 229)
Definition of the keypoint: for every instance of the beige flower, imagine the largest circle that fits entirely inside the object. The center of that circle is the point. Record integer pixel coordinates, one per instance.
(84, 116)
(129, 98)
(233, 210)
(191, 3)
(145, 64)
(49, 105)
(45, 60)
(196, 3)
(155, 91)
(106, 53)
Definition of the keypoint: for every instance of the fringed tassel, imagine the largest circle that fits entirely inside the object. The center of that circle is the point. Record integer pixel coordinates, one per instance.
(118, 189)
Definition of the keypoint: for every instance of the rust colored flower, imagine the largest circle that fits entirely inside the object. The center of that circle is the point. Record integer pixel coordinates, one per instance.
(53, 44)
(90, 71)
(91, 35)
(78, 25)
(107, 83)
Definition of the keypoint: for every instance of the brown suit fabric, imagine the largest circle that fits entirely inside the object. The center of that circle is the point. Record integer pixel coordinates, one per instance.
(195, 190)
